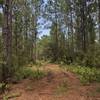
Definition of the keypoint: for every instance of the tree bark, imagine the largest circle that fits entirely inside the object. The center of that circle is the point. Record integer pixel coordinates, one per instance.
(7, 40)
(99, 18)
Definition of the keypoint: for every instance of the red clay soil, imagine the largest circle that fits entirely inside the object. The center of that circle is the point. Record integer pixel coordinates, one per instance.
(46, 88)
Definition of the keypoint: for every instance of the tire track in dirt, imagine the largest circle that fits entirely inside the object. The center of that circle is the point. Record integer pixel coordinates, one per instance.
(44, 89)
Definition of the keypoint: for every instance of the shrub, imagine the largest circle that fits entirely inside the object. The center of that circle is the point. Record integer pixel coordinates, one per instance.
(90, 58)
(24, 73)
(86, 74)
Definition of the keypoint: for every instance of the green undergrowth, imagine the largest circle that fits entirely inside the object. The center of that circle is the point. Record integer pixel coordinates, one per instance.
(38, 64)
(27, 72)
(86, 74)
(7, 86)
(11, 96)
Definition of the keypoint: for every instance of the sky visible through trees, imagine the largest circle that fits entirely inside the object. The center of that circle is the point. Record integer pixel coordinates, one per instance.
(42, 31)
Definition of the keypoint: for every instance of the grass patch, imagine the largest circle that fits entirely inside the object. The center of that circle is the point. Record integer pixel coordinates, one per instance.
(86, 74)
(10, 96)
(38, 64)
(27, 72)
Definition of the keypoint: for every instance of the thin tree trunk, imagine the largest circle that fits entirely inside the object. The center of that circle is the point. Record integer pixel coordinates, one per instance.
(99, 17)
(72, 36)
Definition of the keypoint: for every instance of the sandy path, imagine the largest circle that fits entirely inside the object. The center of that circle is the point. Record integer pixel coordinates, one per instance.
(46, 88)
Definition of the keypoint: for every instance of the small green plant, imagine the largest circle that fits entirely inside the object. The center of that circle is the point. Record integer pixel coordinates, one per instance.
(37, 74)
(4, 86)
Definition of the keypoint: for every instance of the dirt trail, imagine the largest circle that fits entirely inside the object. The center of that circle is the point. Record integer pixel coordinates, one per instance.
(47, 88)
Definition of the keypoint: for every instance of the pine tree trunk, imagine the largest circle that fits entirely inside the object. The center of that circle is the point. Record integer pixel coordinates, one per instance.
(99, 18)
(7, 40)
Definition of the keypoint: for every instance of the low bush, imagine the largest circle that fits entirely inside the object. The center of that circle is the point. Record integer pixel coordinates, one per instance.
(24, 73)
(86, 74)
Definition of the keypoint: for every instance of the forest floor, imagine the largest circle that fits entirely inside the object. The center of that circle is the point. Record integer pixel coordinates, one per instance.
(57, 85)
